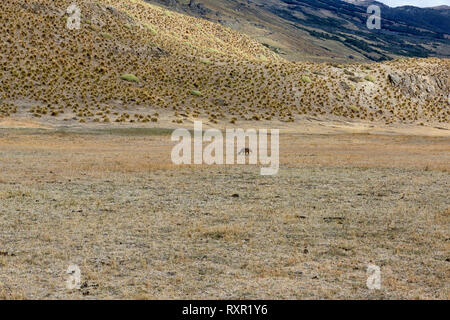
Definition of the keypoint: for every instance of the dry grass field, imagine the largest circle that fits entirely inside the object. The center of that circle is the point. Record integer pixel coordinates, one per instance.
(86, 176)
(111, 202)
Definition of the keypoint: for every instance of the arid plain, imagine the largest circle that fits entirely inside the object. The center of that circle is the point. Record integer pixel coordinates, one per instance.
(111, 202)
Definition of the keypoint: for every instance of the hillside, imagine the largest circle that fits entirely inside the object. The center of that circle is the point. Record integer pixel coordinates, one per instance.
(329, 30)
(132, 62)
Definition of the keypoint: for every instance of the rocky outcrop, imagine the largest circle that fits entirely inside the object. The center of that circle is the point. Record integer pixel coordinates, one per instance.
(395, 79)
(419, 85)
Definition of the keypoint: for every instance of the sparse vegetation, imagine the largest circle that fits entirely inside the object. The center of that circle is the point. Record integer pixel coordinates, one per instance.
(180, 59)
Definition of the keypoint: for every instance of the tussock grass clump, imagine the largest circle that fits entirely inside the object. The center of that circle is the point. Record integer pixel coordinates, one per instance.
(353, 108)
(212, 50)
(206, 61)
(106, 35)
(150, 28)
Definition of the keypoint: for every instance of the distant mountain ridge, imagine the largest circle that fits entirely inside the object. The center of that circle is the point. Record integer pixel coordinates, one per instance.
(434, 18)
(330, 29)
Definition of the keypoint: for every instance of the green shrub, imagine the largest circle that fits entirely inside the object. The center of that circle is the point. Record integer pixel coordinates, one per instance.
(369, 78)
(306, 79)
(129, 77)
(196, 93)
(106, 35)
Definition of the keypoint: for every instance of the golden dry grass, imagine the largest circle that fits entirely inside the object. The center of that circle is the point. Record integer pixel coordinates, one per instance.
(139, 227)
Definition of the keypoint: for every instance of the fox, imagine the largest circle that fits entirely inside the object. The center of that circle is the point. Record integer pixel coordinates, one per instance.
(245, 151)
